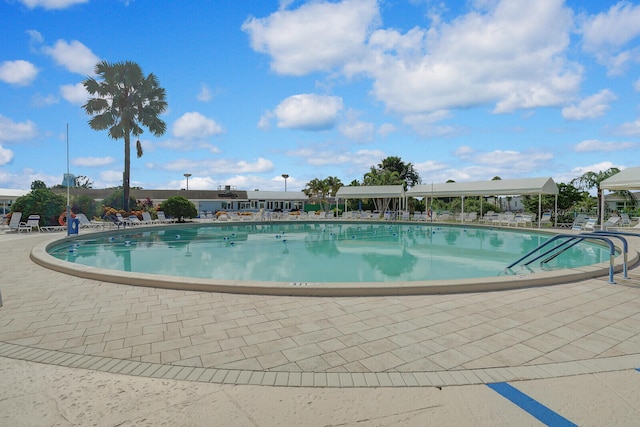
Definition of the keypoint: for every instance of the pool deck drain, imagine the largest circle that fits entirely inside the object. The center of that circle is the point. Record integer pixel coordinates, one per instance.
(385, 341)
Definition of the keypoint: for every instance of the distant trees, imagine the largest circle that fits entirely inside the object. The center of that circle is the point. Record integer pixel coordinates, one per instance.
(392, 171)
(319, 190)
(179, 207)
(589, 180)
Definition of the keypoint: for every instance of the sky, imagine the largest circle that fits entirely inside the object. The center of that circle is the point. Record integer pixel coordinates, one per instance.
(463, 90)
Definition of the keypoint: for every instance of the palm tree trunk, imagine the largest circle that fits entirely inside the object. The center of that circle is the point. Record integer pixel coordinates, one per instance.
(127, 171)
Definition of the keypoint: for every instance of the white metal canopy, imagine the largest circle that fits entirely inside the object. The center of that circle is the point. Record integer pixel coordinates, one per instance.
(627, 179)
(498, 187)
(381, 194)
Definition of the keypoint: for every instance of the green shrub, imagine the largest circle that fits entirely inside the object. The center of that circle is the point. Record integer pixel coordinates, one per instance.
(85, 205)
(116, 198)
(43, 202)
(179, 207)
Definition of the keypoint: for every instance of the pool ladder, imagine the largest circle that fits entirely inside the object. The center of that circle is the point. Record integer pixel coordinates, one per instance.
(570, 240)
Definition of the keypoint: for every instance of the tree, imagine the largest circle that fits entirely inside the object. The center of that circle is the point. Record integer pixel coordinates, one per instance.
(392, 171)
(37, 184)
(41, 201)
(125, 101)
(319, 190)
(588, 180)
(179, 207)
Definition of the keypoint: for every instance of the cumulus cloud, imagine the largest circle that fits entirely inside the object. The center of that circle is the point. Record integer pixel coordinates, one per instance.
(74, 56)
(51, 4)
(318, 36)
(19, 72)
(629, 128)
(184, 145)
(591, 107)
(608, 33)
(358, 131)
(308, 112)
(11, 131)
(596, 145)
(75, 94)
(327, 156)
(39, 100)
(220, 166)
(205, 94)
(512, 54)
(194, 125)
(386, 129)
(92, 161)
(6, 156)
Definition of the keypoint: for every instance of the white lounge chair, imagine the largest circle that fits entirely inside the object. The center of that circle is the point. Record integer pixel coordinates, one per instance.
(86, 223)
(33, 223)
(163, 219)
(146, 219)
(14, 223)
(589, 224)
(611, 222)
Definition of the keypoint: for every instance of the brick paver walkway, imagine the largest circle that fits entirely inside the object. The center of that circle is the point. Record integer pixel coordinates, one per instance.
(582, 327)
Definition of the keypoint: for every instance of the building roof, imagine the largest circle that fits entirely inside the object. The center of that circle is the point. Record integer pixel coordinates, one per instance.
(10, 193)
(499, 187)
(100, 194)
(276, 195)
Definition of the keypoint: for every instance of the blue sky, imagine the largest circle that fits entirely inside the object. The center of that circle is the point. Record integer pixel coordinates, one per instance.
(464, 90)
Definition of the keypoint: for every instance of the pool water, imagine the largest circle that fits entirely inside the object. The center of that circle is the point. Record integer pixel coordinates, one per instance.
(317, 252)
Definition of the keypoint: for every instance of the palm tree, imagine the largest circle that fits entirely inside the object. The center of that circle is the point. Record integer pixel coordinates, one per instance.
(123, 101)
(589, 180)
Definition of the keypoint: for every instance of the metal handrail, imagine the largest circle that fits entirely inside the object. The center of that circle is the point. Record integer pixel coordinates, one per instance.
(573, 240)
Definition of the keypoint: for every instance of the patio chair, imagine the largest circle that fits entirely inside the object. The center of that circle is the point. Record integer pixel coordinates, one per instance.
(33, 222)
(163, 219)
(545, 219)
(589, 224)
(86, 223)
(146, 219)
(612, 222)
(625, 221)
(14, 223)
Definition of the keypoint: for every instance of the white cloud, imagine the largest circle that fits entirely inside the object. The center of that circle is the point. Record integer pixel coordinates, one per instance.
(220, 166)
(607, 33)
(318, 36)
(591, 107)
(512, 54)
(629, 128)
(39, 100)
(6, 156)
(194, 125)
(308, 112)
(92, 161)
(596, 145)
(386, 129)
(51, 4)
(265, 121)
(74, 56)
(326, 156)
(358, 131)
(205, 94)
(75, 94)
(183, 145)
(11, 131)
(19, 72)
(636, 85)
(464, 151)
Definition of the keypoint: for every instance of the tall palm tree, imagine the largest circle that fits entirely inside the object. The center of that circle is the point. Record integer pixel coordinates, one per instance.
(123, 101)
(589, 180)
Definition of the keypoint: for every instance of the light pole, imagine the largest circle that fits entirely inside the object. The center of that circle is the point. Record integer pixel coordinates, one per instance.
(285, 176)
(187, 175)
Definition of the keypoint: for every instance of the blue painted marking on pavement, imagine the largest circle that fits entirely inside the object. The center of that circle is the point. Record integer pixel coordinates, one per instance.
(533, 407)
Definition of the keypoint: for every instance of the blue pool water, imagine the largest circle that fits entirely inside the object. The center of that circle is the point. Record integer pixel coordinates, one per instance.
(316, 252)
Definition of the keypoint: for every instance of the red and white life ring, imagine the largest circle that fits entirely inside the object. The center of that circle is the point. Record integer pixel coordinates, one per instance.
(62, 219)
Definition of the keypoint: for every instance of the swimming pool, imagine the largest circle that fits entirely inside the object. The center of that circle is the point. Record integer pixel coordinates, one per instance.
(316, 252)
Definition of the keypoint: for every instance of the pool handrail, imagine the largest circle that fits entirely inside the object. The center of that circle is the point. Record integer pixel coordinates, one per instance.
(577, 238)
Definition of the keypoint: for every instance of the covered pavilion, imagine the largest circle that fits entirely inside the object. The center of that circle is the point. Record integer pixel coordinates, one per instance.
(382, 195)
(501, 187)
(627, 179)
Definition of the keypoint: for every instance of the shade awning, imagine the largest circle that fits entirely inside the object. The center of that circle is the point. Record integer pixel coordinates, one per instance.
(627, 179)
(370, 191)
(503, 187)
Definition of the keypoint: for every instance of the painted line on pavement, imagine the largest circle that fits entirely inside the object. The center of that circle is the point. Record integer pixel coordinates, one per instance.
(528, 404)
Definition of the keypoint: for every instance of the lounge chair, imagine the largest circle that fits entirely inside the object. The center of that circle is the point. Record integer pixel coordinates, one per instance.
(14, 223)
(146, 219)
(163, 219)
(33, 222)
(86, 223)
(545, 219)
(611, 222)
(625, 221)
(589, 224)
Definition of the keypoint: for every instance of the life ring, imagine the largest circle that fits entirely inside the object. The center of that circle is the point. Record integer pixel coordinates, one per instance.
(62, 219)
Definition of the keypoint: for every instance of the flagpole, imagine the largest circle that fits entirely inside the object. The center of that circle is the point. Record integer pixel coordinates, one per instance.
(68, 186)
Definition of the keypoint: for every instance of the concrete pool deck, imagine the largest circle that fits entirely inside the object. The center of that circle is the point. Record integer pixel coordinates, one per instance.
(76, 351)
